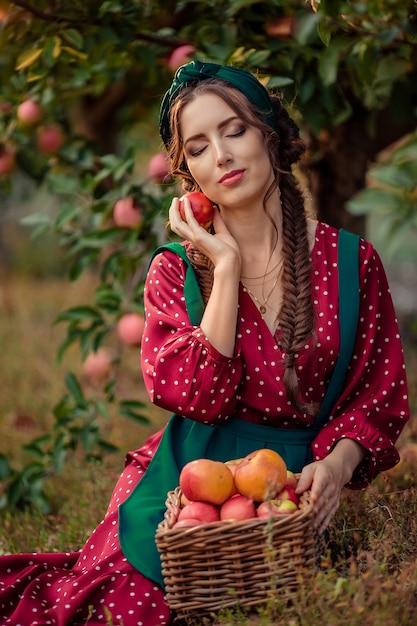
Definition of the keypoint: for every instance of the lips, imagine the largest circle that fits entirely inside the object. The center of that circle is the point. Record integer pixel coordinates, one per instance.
(232, 177)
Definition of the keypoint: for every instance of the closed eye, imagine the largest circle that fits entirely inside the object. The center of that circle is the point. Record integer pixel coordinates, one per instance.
(238, 133)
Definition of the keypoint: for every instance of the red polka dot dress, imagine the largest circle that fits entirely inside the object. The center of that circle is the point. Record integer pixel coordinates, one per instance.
(185, 374)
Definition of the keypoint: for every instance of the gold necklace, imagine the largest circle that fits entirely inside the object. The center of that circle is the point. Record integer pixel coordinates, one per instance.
(262, 305)
(262, 275)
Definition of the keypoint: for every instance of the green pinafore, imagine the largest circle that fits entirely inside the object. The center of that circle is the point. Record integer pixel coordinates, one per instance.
(184, 440)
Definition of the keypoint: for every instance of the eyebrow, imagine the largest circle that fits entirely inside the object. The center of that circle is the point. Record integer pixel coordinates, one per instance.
(219, 127)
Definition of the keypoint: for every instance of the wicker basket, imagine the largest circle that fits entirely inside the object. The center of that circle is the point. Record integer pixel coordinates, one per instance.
(222, 564)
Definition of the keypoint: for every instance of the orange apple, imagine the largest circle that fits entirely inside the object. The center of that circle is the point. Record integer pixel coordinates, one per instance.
(130, 327)
(206, 480)
(261, 474)
(29, 112)
(127, 214)
(237, 508)
(201, 206)
(204, 511)
(180, 55)
(232, 464)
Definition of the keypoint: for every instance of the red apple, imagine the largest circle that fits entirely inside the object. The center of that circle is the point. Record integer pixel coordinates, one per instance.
(287, 507)
(188, 521)
(237, 508)
(204, 511)
(126, 213)
(29, 113)
(50, 139)
(261, 474)
(97, 365)
(291, 480)
(206, 480)
(180, 55)
(7, 161)
(201, 206)
(158, 168)
(268, 508)
(280, 27)
(5, 107)
(130, 327)
(287, 493)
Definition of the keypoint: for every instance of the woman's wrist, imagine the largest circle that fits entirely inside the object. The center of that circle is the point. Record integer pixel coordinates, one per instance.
(350, 454)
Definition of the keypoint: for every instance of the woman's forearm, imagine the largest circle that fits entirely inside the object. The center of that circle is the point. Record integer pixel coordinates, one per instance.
(220, 316)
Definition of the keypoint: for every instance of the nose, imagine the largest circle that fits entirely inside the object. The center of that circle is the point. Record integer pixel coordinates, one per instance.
(223, 154)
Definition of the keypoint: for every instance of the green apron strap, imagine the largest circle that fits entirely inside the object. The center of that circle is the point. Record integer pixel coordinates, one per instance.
(193, 298)
(348, 269)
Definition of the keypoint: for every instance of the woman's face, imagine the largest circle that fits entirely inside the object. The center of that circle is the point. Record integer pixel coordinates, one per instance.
(226, 157)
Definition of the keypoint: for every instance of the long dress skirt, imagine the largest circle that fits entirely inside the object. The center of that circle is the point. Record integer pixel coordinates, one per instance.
(96, 585)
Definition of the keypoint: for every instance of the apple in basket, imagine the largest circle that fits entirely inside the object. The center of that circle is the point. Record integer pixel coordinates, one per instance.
(291, 480)
(237, 508)
(206, 480)
(270, 508)
(260, 475)
(287, 493)
(203, 511)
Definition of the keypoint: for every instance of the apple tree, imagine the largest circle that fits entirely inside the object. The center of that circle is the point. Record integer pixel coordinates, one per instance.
(80, 88)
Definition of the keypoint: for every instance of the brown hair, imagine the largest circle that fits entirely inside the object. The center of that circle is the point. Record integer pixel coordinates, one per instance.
(285, 148)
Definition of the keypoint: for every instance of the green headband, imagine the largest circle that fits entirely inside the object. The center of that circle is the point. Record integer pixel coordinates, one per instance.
(196, 71)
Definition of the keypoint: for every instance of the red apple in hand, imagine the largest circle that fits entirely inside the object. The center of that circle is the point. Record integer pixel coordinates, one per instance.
(201, 206)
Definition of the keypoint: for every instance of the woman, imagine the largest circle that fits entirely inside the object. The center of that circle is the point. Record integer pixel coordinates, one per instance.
(255, 366)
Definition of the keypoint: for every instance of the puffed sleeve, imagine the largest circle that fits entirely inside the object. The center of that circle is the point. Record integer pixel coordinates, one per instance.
(182, 372)
(373, 408)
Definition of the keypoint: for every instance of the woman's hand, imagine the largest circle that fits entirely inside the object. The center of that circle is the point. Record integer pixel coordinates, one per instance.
(220, 247)
(326, 479)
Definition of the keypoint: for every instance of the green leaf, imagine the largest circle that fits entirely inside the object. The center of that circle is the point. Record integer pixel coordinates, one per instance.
(402, 176)
(27, 58)
(5, 468)
(329, 63)
(74, 37)
(325, 31)
(62, 183)
(79, 314)
(75, 390)
(130, 408)
(374, 201)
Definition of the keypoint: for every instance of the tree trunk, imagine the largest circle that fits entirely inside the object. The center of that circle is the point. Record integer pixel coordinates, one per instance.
(340, 162)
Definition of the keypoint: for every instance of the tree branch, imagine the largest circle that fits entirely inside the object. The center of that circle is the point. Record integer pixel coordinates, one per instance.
(31, 9)
(49, 17)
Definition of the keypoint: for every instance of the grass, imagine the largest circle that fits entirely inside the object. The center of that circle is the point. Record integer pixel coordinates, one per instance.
(371, 561)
